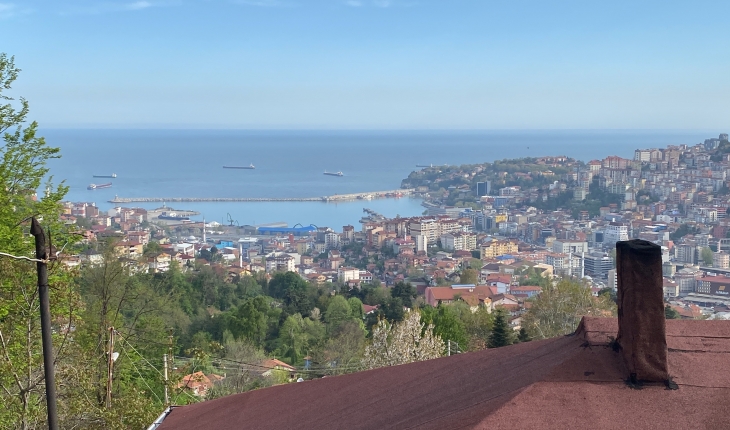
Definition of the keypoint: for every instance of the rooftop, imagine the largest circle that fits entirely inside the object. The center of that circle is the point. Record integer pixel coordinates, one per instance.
(563, 382)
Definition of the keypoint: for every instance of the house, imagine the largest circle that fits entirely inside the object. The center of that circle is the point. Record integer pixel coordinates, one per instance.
(198, 383)
(274, 364)
(525, 291)
(470, 293)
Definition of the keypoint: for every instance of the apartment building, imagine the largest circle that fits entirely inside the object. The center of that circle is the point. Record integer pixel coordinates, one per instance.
(459, 241)
(497, 248)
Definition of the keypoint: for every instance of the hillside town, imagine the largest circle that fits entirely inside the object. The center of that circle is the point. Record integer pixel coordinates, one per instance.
(506, 230)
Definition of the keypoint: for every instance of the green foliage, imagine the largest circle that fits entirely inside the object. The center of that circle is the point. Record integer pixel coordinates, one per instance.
(337, 313)
(683, 230)
(706, 256)
(292, 289)
(560, 307)
(523, 336)
(670, 313)
(356, 309)
(469, 276)
(502, 334)
(533, 278)
(446, 324)
(405, 291)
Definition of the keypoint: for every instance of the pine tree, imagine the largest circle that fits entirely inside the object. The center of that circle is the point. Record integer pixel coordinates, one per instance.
(501, 332)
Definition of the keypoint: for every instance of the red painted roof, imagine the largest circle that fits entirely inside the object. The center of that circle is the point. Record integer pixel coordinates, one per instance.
(560, 383)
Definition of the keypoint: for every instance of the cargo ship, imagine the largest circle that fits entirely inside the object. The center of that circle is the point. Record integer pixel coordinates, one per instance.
(113, 175)
(333, 174)
(172, 216)
(249, 167)
(98, 186)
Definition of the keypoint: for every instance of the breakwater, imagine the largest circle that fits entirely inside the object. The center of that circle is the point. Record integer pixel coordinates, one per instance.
(333, 198)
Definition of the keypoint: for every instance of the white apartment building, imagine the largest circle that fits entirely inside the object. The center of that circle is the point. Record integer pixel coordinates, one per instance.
(280, 262)
(332, 240)
(459, 241)
(569, 246)
(721, 260)
(428, 228)
(616, 232)
(421, 243)
(345, 274)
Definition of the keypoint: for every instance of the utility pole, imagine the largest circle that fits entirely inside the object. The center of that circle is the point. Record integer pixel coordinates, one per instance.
(167, 398)
(48, 362)
(110, 367)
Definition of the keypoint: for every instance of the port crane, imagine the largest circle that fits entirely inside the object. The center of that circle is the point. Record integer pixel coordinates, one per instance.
(232, 221)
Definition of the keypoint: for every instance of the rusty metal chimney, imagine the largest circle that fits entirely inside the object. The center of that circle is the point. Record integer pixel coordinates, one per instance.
(641, 323)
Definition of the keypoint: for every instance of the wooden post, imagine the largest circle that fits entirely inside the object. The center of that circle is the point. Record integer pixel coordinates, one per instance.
(48, 360)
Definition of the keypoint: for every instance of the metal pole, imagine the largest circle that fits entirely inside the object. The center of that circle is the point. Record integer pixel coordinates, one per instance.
(167, 398)
(48, 361)
(110, 369)
(448, 345)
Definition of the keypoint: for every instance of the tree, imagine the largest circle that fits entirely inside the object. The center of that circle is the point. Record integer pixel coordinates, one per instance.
(401, 343)
(707, 256)
(502, 333)
(337, 313)
(405, 291)
(559, 308)
(523, 336)
(356, 309)
(670, 313)
(343, 351)
(23, 167)
(446, 323)
(250, 320)
(469, 276)
(292, 289)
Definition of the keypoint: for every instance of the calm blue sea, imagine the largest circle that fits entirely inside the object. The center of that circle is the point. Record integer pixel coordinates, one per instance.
(188, 163)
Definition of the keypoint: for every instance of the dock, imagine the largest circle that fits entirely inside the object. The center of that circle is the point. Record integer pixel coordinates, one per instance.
(326, 199)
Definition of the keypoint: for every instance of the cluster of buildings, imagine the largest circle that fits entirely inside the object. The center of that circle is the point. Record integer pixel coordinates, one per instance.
(676, 197)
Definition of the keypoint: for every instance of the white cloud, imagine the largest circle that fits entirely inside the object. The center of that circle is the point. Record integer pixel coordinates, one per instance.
(109, 7)
(264, 3)
(379, 3)
(11, 10)
(7, 10)
(138, 5)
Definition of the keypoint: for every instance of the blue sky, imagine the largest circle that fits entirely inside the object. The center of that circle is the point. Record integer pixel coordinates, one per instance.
(371, 64)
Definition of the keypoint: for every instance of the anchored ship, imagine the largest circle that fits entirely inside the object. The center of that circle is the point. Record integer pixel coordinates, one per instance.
(173, 216)
(249, 167)
(333, 174)
(113, 175)
(98, 186)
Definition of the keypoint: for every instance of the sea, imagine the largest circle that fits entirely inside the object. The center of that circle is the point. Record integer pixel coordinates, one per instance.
(290, 163)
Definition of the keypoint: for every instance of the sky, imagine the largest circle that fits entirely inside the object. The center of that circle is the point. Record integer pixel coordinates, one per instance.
(371, 64)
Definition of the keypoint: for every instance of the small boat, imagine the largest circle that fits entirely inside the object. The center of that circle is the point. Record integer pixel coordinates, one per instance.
(98, 186)
(333, 174)
(249, 167)
(113, 175)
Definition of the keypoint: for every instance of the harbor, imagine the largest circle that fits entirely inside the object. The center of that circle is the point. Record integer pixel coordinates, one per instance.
(333, 198)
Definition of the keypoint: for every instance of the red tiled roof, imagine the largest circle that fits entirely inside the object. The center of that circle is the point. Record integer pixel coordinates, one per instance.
(560, 383)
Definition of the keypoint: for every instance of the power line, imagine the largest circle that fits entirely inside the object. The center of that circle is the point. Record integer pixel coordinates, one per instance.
(22, 257)
(143, 358)
(140, 374)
